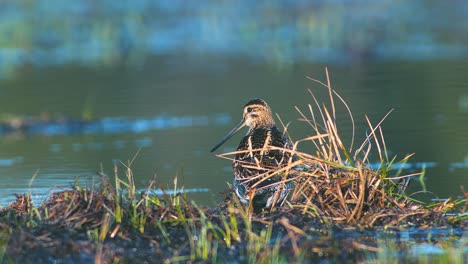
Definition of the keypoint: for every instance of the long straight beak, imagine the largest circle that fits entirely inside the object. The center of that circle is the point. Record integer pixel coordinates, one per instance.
(230, 134)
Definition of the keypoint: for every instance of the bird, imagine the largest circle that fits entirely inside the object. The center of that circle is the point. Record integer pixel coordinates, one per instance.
(259, 155)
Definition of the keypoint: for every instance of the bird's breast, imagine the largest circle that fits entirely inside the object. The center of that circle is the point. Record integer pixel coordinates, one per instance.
(255, 148)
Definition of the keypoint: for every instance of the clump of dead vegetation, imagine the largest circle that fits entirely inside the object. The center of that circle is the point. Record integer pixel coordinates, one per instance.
(336, 184)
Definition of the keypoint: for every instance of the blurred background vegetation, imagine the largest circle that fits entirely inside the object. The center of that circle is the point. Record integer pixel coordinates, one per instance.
(46, 33)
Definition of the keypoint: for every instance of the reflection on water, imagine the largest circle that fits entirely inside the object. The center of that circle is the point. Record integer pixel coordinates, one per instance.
(405, 166)
(419, 245)
(110, 125)
(5, 162)
(106, 126)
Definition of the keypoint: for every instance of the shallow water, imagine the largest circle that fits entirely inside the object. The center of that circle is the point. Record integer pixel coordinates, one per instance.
(178, 86)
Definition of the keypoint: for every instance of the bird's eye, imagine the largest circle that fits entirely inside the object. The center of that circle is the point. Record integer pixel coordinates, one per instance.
(249, 109)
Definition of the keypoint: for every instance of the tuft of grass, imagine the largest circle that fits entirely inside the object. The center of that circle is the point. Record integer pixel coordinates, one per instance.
(5, 235)
(335, 182)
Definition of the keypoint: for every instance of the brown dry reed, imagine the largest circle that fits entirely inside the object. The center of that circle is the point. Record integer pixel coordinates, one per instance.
(336, 184)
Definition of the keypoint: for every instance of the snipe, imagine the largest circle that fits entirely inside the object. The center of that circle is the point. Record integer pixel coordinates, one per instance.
(255, 159)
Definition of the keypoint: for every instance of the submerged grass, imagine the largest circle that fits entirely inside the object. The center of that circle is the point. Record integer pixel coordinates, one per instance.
(340, 210)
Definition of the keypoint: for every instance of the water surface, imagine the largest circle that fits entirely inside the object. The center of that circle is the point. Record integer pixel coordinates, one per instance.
(168, 81)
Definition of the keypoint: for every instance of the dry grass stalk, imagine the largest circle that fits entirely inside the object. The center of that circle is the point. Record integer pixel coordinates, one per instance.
(337, 185)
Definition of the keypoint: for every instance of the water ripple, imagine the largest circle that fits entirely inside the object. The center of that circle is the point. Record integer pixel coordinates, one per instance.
(111, 125)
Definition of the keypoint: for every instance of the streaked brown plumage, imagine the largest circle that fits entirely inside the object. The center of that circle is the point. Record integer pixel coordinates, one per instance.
(255, 160)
